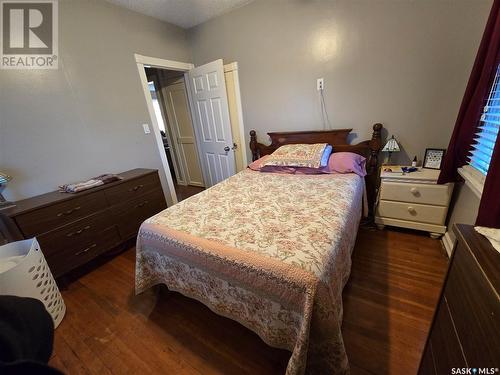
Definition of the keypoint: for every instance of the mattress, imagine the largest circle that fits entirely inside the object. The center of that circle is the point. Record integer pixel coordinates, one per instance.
(271, 251)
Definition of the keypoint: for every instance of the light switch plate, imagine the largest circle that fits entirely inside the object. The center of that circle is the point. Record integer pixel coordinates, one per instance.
(146, 128)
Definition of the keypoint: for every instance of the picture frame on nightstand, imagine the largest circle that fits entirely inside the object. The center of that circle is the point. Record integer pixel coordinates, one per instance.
(433, 158)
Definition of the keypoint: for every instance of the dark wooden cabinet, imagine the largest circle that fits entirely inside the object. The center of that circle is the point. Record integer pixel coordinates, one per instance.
(73, 229)
(466, 326)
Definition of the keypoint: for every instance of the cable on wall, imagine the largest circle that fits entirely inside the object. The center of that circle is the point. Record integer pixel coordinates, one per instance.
(324, 113)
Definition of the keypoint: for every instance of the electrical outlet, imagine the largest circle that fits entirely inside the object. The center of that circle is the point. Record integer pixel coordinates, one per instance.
(320, 84)
(146, 128)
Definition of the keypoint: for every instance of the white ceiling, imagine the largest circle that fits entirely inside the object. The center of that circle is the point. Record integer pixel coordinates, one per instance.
(183, 13)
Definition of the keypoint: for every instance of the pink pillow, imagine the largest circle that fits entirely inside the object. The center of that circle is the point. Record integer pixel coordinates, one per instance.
(346, 162)
(340, 162)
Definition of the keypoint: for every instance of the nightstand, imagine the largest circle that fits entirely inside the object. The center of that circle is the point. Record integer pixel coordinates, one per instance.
(413, 200)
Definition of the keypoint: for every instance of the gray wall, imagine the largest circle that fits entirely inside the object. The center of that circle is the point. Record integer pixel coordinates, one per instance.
(403, 63)
(464, 208)
(85, 118)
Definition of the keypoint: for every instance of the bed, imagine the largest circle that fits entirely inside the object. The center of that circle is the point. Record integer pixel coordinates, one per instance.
(271, 251)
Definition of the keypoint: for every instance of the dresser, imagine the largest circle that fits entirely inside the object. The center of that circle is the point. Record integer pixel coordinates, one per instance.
(466, 325)
(73, 229)
(413, 200)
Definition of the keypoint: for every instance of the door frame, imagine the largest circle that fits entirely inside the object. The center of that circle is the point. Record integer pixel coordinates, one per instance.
(143, 62)
(178, 167)
(234, 67)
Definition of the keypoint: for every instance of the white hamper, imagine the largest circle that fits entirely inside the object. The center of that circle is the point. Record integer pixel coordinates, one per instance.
(25, 273)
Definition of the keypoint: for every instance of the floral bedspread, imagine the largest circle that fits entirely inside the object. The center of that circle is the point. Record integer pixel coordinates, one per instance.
(271, 251)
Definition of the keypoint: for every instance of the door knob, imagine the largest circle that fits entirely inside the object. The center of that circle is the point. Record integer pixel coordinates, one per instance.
(226, 149)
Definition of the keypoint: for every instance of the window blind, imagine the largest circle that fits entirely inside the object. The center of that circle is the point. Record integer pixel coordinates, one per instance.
(487, 131)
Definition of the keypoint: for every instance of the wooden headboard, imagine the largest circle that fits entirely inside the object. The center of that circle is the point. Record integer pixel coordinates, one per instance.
(338, 139)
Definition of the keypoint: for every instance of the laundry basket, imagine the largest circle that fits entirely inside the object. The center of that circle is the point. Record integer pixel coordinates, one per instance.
(25, 273)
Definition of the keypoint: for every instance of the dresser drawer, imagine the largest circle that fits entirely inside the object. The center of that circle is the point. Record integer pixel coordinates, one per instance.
(412, 212)
(130, 215)
(48, 218)
(464, 332)
(475, 308)
(74, 234)
(132, 189)
(72, 257)
(444, 342)
(416, 193)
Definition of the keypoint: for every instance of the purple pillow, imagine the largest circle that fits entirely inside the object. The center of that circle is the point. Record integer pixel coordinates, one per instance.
(346, 162)
(340, 162)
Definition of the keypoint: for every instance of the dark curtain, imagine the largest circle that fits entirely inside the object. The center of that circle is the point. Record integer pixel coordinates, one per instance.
(489, 208)
(481, 78)
(480, 81)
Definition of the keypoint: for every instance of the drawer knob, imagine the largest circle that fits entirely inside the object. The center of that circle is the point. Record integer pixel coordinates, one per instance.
(141, 204)
(414, 190)
(411, 210)
(80, 231)
(137, 187)
(69, 212)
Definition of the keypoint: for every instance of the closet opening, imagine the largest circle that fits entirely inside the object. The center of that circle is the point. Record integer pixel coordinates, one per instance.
(171, 107)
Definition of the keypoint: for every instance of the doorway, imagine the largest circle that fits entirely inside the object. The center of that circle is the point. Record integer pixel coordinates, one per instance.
(217, 136)
(170, 102)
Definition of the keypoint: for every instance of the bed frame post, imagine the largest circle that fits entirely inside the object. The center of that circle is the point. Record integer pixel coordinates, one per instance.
(375, 146)
(253, 145)
(372, 169)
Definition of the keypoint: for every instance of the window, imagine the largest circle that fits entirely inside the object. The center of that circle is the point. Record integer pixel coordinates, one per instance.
(487, 131)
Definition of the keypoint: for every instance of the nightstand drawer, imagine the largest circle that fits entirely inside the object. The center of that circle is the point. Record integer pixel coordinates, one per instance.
(413, 212)
(416, 193)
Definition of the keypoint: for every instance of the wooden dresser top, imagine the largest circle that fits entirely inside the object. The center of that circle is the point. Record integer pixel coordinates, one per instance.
(483, 252)
(39, 201)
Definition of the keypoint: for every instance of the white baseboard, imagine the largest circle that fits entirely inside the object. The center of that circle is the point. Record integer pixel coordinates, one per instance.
(448, 243)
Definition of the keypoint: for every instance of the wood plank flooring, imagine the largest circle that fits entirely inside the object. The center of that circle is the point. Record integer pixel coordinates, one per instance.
(388, 305)
(186, 191)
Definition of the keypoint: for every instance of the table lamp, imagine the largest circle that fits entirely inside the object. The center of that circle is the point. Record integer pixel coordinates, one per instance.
(4, 178)
(390, 147)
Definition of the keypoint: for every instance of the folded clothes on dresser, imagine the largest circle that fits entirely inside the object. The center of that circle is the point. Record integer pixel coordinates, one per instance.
(89, 184)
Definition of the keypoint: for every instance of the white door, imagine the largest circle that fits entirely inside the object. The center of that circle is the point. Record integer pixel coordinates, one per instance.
(211, 119)
(182, 127)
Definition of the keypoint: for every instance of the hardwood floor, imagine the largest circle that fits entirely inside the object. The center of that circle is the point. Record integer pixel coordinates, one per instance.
(186, 191)
(388, 305)
(389, 301)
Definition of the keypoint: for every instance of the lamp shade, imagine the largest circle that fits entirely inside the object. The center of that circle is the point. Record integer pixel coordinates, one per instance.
(4, 178)
(391, 145)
